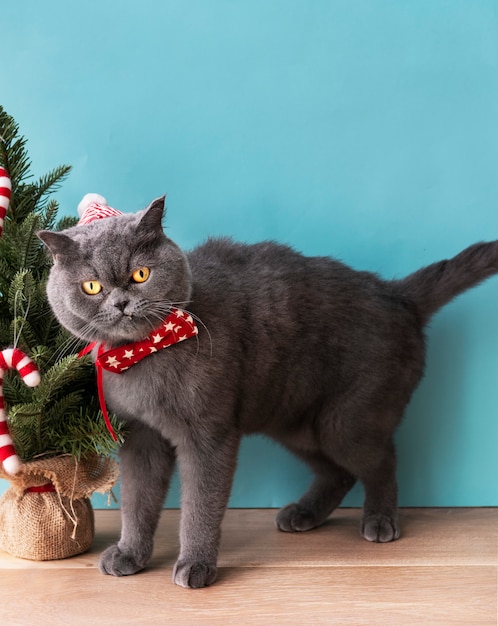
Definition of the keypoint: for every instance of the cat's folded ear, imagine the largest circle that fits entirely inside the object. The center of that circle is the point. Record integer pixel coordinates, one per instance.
(58, 243)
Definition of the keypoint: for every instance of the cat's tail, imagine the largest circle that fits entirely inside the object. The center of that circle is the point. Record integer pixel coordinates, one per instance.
(435, 285)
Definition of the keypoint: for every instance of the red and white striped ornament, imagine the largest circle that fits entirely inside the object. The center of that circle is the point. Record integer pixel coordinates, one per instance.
(5, 190)
(13, 358)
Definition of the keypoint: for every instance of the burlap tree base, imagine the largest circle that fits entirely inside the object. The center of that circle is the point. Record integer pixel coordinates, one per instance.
(46, 513)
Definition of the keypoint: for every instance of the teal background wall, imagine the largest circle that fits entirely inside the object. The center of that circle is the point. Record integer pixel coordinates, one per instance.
(364, 129)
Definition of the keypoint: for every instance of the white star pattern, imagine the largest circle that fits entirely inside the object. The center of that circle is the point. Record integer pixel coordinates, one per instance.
(112, 361)
(169, 326)
(128, 354)
(157, 338)
(152, 349)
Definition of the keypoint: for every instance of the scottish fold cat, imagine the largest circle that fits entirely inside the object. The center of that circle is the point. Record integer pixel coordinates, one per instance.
(317, 356)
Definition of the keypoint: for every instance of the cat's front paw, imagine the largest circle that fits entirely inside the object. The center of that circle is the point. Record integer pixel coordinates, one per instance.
(117, 563)
(295, 518)
(194, 574)
(380, 528)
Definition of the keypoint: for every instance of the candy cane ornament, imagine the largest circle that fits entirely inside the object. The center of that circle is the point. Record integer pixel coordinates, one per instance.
(5, 190)
(13, 358)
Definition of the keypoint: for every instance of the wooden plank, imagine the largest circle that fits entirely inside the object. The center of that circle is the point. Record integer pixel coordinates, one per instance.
(429, 537)
(435, 537)
(260, 596)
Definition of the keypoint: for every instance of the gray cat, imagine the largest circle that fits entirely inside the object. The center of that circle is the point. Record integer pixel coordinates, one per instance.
(307, 351)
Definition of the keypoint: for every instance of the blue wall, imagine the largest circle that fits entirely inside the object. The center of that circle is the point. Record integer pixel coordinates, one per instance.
(365, 129)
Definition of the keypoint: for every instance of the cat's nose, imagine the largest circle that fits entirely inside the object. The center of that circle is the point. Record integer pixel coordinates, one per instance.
(121, 305)
(119, 299)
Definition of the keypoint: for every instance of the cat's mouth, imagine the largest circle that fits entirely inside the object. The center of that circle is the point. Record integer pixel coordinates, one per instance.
(125, 327)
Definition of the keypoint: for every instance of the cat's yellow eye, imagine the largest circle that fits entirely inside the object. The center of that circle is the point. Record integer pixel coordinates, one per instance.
(141, 275)
(91, 287)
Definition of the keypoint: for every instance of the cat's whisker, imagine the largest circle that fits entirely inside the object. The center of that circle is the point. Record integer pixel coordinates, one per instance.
(182, 304)
(198, 320)
(158, 310)
(71, 345)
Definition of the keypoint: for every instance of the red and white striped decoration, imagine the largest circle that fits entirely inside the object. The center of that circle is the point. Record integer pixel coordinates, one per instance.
(5, 189)
(13, 358)
(94, 207)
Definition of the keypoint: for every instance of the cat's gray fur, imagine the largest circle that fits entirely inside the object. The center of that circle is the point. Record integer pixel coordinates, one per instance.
(307, 351)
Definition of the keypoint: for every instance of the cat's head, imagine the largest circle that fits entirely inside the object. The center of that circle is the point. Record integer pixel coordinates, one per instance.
(115, 279)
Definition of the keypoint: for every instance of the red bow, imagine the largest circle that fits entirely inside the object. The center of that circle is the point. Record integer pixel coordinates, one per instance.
(177, 327)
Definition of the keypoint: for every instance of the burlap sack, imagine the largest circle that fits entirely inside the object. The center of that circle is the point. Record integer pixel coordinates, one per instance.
(43, 525)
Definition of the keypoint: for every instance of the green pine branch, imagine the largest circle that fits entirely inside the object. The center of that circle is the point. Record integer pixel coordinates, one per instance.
(13, 153)
(61, 415)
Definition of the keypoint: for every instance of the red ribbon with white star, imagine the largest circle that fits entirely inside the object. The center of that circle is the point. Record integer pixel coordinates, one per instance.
(177, 327)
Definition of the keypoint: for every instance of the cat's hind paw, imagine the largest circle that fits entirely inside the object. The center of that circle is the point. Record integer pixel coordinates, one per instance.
(117, 563)
(380, 528)
(295, 518)
(194, 574)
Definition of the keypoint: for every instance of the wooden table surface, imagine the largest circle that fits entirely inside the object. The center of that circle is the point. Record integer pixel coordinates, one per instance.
(443, 570)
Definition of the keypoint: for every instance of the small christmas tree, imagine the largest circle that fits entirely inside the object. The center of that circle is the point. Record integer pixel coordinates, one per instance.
(56, 427)
(61, 415)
